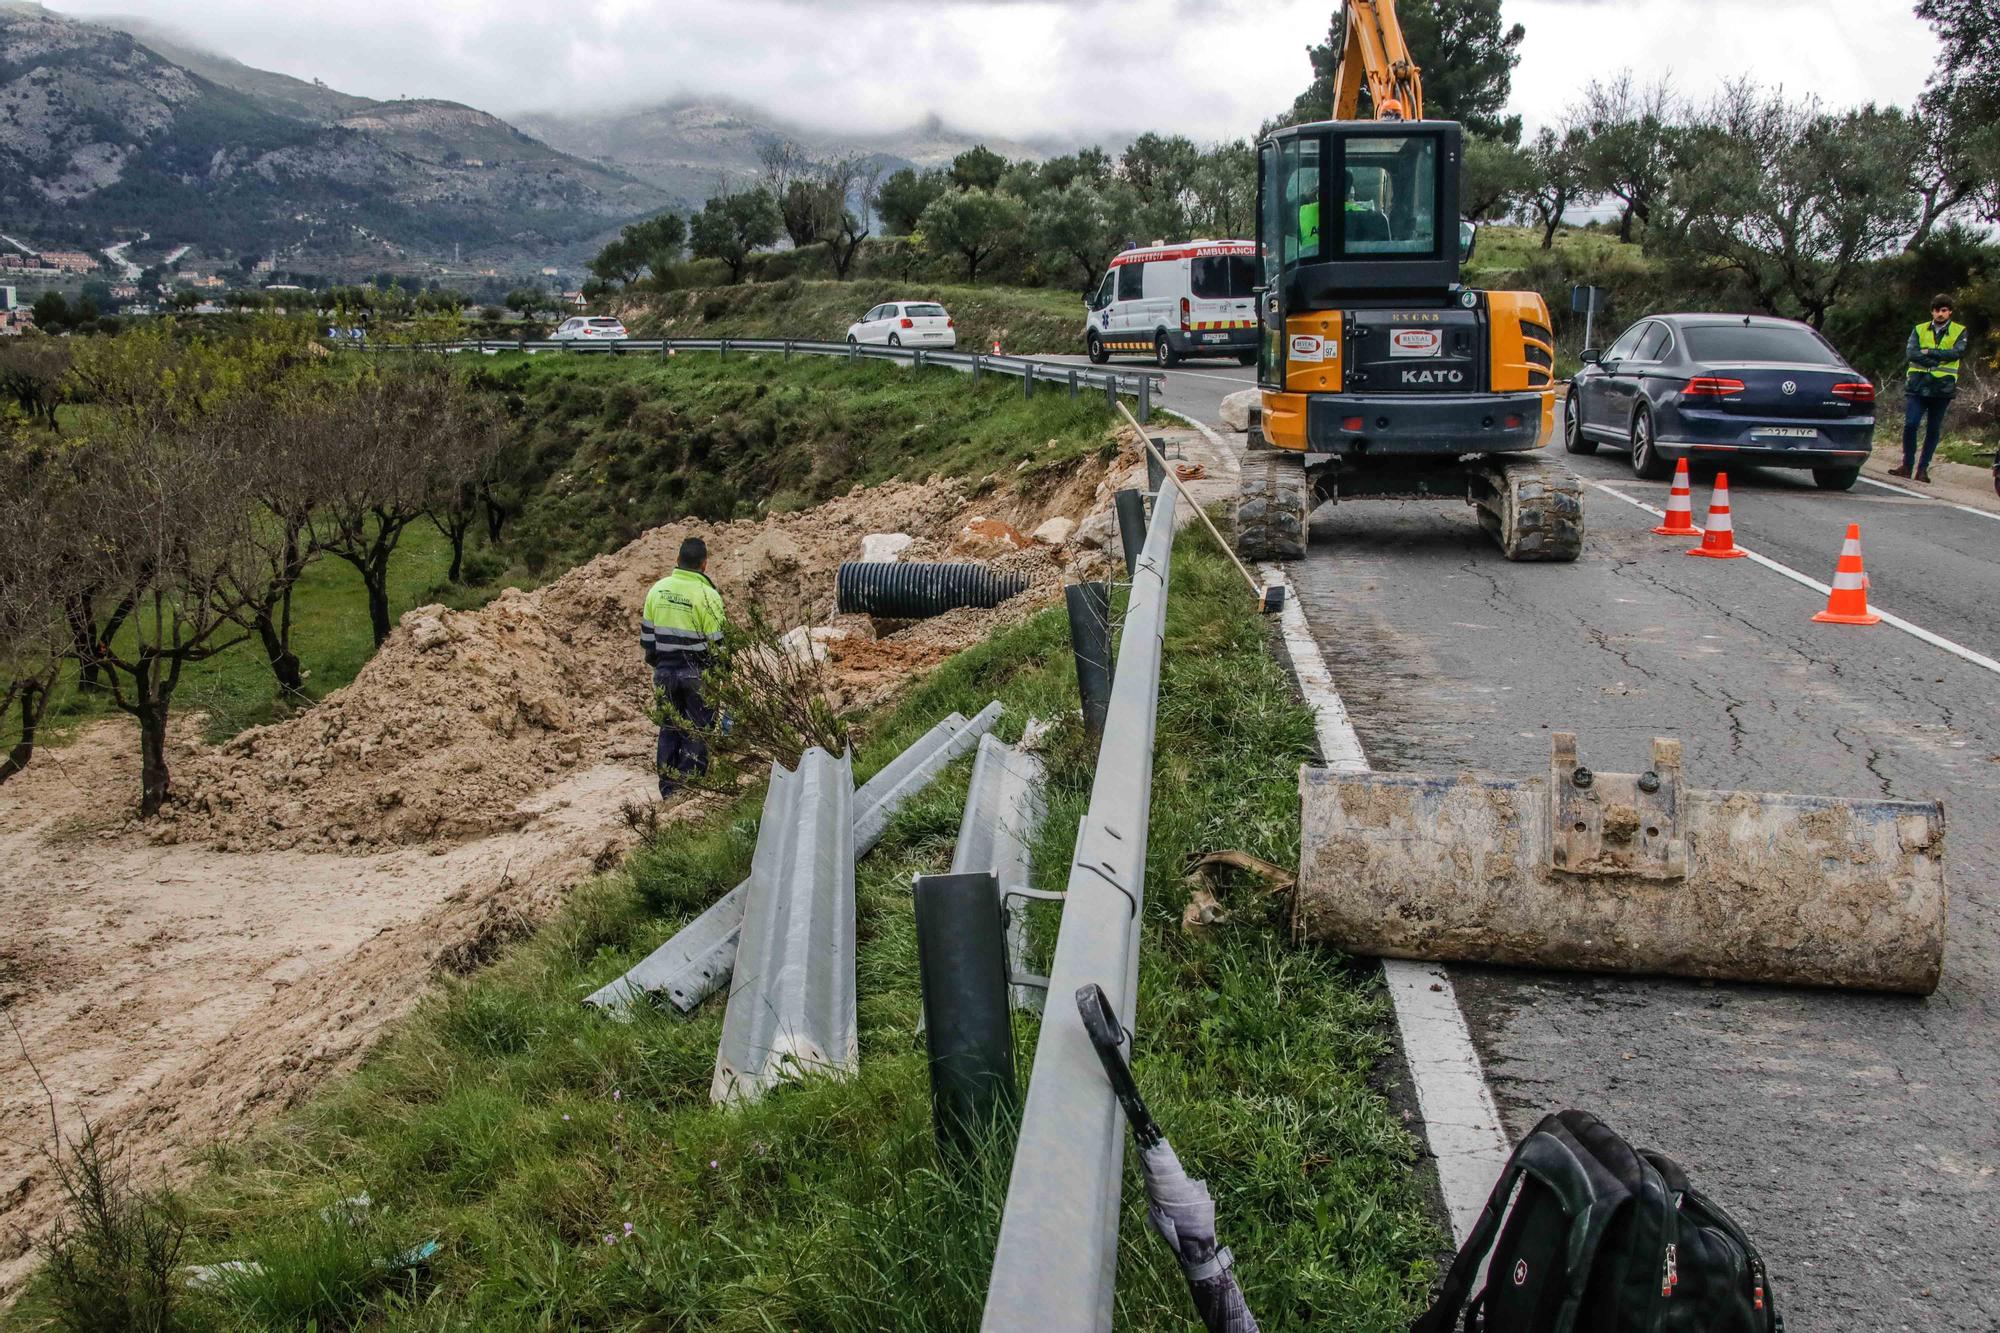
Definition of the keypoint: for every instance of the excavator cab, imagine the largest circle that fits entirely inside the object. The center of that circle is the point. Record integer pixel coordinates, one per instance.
(1354, 211)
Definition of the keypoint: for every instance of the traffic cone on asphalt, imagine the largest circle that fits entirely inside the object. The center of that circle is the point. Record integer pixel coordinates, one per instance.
(1680, 507)
(1847, 604)
(1718, 539)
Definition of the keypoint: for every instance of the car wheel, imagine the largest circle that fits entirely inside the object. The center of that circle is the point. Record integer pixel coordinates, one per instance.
(1574, 440)
(1163, 352)
(1836, 478)
(1093, 347)
(1646, 460)
(895, 340)
(853, 341)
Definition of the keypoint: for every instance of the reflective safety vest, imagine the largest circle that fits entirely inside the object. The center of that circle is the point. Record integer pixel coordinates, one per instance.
(1944, 375)
(682, 619)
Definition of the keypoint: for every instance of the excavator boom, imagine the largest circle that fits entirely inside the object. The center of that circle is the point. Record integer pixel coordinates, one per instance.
(1372, 51)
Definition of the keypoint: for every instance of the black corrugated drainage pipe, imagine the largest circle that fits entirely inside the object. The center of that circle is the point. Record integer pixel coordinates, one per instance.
(899, 591)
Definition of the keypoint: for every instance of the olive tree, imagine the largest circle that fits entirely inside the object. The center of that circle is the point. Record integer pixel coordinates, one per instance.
(731, 227)
(972, 225)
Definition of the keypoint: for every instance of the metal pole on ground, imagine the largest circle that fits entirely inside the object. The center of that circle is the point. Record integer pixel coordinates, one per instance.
(1131, 505)
(968, 1027)
(1090, 640)
(1146, 399)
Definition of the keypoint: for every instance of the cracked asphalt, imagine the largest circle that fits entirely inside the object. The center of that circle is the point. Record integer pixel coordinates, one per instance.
(1856, 1136)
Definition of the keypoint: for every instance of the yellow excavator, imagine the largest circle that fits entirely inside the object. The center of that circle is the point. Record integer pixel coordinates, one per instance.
(1381, 374)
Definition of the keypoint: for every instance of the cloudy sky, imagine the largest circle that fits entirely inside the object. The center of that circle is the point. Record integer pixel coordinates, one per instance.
(1208, 68)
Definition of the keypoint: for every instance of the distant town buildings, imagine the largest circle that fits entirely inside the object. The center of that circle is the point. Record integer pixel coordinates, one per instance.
(6, 298)
(124, 291)
(69, 261)
(17, 321)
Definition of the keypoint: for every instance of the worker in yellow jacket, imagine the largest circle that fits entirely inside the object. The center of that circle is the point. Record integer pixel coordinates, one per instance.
(1934, 352)
(680, 626)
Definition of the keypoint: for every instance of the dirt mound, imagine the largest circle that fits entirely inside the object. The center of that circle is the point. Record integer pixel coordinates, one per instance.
(464, 715)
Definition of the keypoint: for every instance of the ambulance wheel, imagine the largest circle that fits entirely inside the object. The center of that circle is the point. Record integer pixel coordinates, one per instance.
(1094, 345)
(1164, 354)
(1246, 358)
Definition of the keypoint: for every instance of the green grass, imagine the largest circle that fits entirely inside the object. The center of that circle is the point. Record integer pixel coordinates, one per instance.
(613, 445)
(1027, 320)
(1503, 250)
(520, 1129)
(330, 634)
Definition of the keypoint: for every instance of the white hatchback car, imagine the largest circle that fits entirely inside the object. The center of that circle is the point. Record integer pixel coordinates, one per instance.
(905, 324)
(590, 329)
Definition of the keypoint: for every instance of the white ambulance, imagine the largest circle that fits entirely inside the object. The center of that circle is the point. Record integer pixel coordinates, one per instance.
(1192, 298)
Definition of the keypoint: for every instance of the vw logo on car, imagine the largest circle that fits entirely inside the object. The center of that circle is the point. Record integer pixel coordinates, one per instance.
(1790, 387)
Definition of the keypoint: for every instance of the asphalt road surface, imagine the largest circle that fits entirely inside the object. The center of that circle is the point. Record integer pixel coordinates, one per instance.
(1856, 1136)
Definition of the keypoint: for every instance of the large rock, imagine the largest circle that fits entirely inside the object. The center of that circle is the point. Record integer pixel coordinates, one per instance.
(1099, 532)
(1055, 531)
(885, 547)
(1236, 409)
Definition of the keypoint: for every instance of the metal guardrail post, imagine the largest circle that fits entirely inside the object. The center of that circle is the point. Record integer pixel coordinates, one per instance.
(792, 1007)
(1089, 606)
(1146, 401)
(1072, 384)
(1056, 1265)
(1131, 506)
(978, 364)
(1027, 381)
(968, 1028)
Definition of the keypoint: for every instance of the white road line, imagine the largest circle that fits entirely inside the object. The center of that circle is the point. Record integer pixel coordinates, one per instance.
(1952, 504)
(1914, 631)
(1461, 1120)
(1250, 383)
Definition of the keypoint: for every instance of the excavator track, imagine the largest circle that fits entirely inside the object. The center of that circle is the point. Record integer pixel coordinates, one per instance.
(1533, 508)
(1273, 502)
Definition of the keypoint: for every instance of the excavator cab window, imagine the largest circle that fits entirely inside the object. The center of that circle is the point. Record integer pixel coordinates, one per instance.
(1391, 196)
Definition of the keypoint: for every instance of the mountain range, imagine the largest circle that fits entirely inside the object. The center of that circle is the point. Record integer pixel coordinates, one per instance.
(114, 129)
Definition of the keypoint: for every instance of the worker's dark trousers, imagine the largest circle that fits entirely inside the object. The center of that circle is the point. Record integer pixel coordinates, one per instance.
(681, 751)
(1915, 407)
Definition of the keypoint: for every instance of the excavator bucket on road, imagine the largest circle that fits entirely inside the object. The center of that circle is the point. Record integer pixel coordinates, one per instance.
(1625, 872)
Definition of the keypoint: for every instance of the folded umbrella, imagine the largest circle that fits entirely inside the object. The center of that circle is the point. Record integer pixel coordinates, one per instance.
(1179, 1206)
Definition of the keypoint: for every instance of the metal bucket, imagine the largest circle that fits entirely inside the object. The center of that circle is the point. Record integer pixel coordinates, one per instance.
(1625, 872)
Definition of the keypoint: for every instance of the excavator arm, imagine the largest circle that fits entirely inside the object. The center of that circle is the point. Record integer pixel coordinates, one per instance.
(1372, 49)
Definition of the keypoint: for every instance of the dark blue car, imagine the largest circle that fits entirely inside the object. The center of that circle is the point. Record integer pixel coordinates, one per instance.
(1724, 389)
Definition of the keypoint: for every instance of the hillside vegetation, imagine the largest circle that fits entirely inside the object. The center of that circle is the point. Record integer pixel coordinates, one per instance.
(604, 447)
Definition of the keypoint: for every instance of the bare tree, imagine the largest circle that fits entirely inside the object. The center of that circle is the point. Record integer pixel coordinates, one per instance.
(860, 190)
(282, 442)
(168, 512)
(465, 454)
(40, 566)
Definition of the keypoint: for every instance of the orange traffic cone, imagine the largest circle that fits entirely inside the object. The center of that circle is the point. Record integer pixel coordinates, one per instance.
(1847, 604)
(1680, 506)
(1718, 539)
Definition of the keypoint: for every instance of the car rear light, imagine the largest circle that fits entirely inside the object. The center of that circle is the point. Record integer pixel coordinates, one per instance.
(1710, 386)
(908, 323)
(950, 323)
(1858, 392)
(1186, 314)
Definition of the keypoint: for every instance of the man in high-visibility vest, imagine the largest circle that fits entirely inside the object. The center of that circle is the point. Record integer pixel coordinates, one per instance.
(680, 626)
(1934, 352)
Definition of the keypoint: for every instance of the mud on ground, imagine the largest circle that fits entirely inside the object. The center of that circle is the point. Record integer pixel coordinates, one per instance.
(311, 877)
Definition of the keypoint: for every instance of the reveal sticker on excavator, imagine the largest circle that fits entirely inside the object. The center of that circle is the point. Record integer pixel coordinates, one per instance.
(1415, 342)
(1306, 347)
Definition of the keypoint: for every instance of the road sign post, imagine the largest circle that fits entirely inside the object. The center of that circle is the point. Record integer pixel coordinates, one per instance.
(1588, 300)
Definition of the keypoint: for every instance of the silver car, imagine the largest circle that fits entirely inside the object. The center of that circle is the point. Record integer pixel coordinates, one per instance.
(591, 331)
(905, 324)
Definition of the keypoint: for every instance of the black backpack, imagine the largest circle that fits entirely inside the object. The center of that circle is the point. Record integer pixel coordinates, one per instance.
(1602, 1239)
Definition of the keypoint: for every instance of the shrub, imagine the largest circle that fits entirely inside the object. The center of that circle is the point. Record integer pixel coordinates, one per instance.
(110, 1258)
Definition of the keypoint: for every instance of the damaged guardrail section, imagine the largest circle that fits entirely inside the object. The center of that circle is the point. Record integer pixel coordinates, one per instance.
(792, 1007)
(696, 962)
(1056, 1264)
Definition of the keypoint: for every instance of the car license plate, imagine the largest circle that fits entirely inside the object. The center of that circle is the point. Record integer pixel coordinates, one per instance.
(1790, 432)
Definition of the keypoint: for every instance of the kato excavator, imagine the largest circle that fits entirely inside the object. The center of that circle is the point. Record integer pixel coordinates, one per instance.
(1381, 374)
